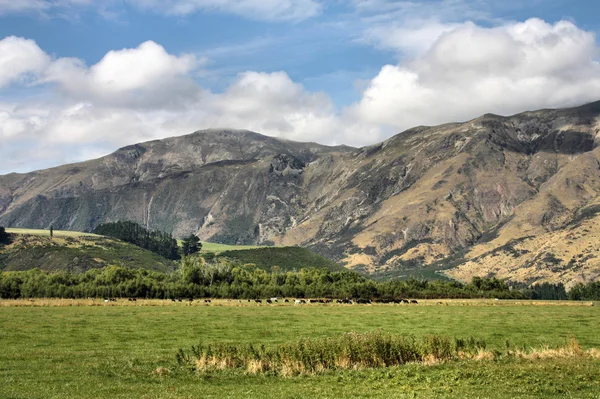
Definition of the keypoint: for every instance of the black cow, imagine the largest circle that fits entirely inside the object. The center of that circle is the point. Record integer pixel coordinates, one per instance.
(415, 302)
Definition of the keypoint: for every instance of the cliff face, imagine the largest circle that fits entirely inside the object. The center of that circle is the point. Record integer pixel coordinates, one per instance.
(516, 197)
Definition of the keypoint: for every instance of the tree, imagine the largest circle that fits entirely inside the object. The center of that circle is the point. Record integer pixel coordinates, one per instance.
(51, 231)
(191, 245)
(4, 236)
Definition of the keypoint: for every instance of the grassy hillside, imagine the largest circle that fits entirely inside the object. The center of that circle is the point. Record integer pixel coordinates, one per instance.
(74, 251)
(287, 258)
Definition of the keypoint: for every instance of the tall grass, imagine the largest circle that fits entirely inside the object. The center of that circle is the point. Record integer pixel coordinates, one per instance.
(359, 351)
(313, 356)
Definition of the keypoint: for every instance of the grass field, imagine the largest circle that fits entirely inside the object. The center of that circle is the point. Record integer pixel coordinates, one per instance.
(215, 247)
(126, 350)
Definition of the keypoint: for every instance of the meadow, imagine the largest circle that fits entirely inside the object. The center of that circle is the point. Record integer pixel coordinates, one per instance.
(123, 349)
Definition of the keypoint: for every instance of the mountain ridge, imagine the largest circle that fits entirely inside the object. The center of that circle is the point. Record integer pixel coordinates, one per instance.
(414, 200)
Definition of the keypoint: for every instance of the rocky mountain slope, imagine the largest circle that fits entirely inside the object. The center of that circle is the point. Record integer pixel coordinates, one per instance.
(516, 197)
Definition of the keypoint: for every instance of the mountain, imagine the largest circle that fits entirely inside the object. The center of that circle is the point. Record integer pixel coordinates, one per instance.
(516, 197)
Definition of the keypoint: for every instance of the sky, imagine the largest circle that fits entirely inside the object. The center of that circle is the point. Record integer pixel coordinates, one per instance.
(81, 78)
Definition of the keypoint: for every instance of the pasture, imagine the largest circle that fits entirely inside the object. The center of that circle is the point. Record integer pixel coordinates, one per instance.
(123, 349)
(218, 248)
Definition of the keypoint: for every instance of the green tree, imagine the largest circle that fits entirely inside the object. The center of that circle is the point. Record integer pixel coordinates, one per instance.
(4, 236)
(191, 245)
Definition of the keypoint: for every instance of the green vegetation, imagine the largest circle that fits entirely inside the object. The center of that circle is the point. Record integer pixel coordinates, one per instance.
(4, 236)
(190, 245)
(118, 351)
(223, 278)
(317, 355)
(585, 292)
(285, 258)
(77, 254)
(158, 242)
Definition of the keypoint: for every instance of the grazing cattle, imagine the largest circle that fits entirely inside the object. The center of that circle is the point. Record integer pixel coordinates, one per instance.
(257, 301)
(248, 300)
(172, 300)
(274, 299)
(297, 302)
(363, 301)
(190, 300)
(415, 302)
(404, 301)
(207, 301)
(286, 301)
(179, 300)
(269, 301)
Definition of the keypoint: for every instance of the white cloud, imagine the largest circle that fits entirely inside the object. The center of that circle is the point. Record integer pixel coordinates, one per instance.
(473, 70)
(146, 76)
(20, 60)
(133, 95)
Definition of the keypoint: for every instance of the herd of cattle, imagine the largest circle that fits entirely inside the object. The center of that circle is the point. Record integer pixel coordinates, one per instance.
(296, 301)
(306, 301)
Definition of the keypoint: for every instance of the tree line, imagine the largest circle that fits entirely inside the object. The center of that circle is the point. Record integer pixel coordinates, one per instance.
(156, 241)
(225, 279)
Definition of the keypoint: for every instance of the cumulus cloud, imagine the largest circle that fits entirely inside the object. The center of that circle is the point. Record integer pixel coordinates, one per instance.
(471, 70)
(20, 60)
(142, 76)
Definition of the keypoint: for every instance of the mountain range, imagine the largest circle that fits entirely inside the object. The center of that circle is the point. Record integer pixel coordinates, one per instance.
(514, 197)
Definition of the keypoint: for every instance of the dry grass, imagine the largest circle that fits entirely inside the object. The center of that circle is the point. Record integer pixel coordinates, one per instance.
(355, 351)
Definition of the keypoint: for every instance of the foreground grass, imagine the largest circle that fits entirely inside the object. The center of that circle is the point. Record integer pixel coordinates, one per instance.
(114, 351)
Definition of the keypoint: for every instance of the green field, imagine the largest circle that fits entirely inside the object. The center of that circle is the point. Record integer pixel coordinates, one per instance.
(217, 248)
(114, 351)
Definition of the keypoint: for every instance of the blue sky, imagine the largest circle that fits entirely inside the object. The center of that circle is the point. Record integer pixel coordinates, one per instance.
(79, 78)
